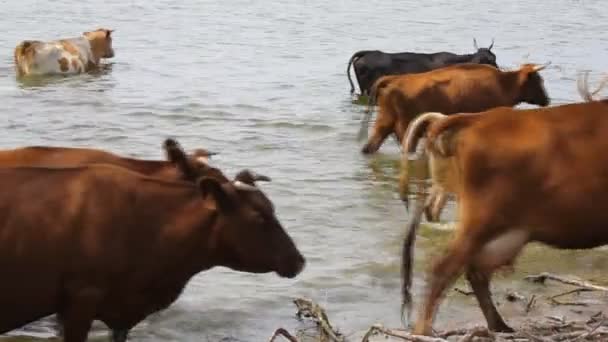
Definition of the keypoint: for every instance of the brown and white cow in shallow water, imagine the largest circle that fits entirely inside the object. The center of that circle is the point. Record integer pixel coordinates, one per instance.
(103, 242)
(65, 56)
(520, 176)
(454, 89)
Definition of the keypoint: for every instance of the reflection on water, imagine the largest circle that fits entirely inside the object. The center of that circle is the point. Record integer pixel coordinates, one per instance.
(264, 84)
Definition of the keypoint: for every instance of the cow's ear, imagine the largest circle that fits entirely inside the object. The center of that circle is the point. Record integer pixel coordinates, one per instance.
(219, 192)
(177, 157)
(108, 33)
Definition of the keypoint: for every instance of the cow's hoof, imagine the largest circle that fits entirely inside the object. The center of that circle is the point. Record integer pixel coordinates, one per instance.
(502, 328)
(368, 149)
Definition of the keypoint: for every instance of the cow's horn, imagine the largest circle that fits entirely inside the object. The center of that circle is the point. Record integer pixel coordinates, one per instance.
(244, 186)
(260, 177)
(541, 67)
(475, 44)
(491, 45)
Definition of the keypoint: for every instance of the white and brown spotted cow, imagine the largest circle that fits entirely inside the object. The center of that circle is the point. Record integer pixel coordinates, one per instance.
(64, 56)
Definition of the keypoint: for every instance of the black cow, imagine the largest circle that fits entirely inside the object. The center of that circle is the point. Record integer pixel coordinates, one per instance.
(372, 64)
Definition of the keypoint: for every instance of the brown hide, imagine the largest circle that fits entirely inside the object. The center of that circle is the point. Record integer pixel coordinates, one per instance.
(454, 89)
(178, 166)
(524, 175)
(103, 242)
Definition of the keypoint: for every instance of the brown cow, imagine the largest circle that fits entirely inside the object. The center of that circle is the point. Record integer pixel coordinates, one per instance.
(520, 176)
(178, 162)
(454, 89)
(104, 242)
(73, 156)
(438, 197)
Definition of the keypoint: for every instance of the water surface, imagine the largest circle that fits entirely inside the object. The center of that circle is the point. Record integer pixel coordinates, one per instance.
(264, 83)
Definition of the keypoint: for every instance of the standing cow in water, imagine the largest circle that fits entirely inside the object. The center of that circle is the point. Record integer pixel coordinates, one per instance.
(369, 65)
(534, 175)
(64, 56)
(118, 246)
(454, 89)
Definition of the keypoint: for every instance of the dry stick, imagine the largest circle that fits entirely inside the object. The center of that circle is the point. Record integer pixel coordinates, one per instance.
(284, 333)
(464, 292)
(476, 332)
(540, 278)
(570, 292)
(557, 302)
(530, 303)
(308, 308)
(534, 337)
(587, 334)
(379, 329)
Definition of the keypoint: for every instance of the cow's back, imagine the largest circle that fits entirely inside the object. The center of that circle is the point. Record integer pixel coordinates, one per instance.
(453, 89)
(43, 156)
(53, 156)
(553, 158)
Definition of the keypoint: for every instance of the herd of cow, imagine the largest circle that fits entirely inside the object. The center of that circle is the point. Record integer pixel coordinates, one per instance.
(91, 235)
(519, 175)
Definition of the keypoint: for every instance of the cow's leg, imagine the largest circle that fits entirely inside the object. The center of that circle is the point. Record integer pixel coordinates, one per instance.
(480, 282)
(435, 203)
(385, 124)
(498, 252)
(383, 127)
(78, 315)
(120, 335)
(443, 274)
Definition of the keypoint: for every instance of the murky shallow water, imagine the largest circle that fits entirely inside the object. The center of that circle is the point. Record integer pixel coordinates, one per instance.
(265, 84)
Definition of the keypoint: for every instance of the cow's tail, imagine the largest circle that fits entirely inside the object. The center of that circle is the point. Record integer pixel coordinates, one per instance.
(23, 52)
(377, 87)
(415, 130)
(352, 59)
(439, 131)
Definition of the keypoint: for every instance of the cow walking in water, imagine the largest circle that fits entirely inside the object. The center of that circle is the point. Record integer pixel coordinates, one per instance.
(101, 242)
(454, 89)
(520, 176)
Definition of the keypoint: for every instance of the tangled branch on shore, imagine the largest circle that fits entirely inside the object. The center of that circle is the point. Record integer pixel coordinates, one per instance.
(549, 329)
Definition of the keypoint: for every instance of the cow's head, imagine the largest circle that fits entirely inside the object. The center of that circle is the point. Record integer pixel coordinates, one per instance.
(101, 42)
(248, 235)
(484, 55)
(531, 85)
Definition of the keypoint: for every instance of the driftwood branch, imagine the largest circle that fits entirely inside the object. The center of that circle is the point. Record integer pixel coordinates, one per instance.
(284, 333)
(308, 308)
(541, 278)
(379, 329)
(547, 329)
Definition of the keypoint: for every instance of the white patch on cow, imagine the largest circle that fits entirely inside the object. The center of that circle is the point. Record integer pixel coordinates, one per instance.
(244, 186)
(203, 160)
(47, 56)
(502, 250)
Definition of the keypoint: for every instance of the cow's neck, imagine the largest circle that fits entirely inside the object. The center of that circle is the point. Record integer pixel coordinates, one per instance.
(512, 84)
(97, 50)
(148, 167)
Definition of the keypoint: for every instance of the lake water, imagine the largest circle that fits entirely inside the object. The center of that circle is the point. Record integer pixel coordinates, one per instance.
(264, 83)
